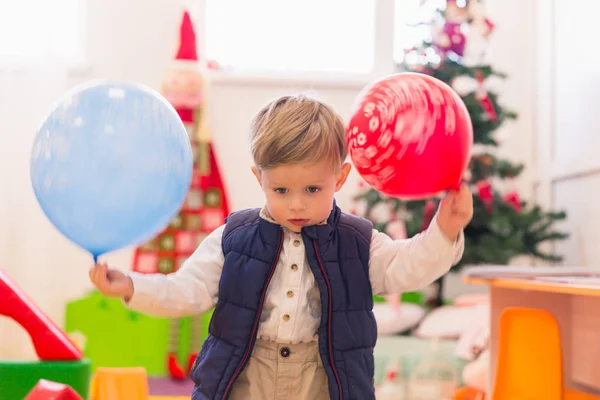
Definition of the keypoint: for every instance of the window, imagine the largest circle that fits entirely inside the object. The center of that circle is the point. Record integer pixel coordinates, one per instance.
(363, 37)
(291, 35)
(411, 24)
(34, 29)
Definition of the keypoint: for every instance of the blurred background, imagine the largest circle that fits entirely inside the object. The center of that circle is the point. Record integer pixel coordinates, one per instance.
(526, 70)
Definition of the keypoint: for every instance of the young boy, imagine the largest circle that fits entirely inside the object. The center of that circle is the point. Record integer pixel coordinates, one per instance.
(293, 282)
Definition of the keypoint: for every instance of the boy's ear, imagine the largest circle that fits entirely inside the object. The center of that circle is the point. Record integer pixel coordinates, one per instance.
(343, 175)
(256, 173)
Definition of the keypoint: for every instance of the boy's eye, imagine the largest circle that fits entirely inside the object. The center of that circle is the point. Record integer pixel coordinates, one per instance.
(312, 189)
(281, 190)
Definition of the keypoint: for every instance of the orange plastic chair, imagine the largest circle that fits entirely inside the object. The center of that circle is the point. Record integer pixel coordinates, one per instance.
(569, 394)
(469, 393)
(529, 359)
(120, 384)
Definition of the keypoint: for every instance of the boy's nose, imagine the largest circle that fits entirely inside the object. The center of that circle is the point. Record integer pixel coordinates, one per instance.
(297, 204)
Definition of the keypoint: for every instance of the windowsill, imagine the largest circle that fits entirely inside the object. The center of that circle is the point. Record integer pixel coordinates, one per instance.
(79, 69)
(331, 80)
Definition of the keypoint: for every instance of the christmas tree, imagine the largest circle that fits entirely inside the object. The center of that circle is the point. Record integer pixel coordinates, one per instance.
(503, 226)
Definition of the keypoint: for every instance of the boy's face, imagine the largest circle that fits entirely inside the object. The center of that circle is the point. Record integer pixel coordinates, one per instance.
(301, 194)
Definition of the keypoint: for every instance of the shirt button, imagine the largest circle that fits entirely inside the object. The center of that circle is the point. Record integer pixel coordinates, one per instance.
(285, 352)
(290, 294)
(286, 317)
(296, 243)
(294, 267)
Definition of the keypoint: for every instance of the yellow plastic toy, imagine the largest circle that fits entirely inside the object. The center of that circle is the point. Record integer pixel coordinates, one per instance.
(120, 384)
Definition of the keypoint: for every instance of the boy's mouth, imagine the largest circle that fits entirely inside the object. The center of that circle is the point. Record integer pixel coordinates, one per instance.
(298, 222)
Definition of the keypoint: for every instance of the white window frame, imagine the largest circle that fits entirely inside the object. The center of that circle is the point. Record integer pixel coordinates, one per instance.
(383, 60)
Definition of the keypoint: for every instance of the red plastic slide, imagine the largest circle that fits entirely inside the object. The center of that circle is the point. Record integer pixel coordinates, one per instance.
(49, 341)
(47, 390)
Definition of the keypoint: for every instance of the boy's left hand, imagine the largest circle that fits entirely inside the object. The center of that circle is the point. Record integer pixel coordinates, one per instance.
(455, 211)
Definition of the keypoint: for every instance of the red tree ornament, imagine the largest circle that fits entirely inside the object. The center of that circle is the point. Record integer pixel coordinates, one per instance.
(484, 190)
(514, 200)
(410, 136)
(484, 99)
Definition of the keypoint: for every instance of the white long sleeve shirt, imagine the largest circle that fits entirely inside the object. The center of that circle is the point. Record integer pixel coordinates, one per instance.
(291, 312)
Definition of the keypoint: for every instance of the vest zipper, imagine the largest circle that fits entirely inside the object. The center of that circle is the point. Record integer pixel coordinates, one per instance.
(255, 326)
(329, 312)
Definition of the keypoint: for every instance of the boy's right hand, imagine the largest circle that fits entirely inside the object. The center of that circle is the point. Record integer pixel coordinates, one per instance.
(111, 282)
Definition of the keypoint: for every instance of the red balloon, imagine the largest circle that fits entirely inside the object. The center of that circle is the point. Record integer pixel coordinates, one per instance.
(410, 136)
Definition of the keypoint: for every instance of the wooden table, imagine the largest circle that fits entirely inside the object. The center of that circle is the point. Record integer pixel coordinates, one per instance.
(576, 307)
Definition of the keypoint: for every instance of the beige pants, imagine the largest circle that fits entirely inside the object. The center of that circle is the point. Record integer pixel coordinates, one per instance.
(282, 372)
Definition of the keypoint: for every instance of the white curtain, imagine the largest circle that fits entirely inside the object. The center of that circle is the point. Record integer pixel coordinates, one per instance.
(32, 253)
(118, 45)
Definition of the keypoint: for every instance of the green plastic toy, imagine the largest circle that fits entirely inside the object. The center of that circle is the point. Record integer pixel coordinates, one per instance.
(116, 336)
(18, 378)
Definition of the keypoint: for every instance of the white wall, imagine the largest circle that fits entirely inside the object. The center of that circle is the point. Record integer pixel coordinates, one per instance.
(568, 120)
(53, 271)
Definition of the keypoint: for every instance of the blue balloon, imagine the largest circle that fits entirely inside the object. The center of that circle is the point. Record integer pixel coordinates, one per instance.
(111, 165)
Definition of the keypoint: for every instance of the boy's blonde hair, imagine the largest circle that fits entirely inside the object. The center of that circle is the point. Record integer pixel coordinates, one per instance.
(297, 129)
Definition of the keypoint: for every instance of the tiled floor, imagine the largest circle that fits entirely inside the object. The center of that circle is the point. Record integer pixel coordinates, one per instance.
(168, 398)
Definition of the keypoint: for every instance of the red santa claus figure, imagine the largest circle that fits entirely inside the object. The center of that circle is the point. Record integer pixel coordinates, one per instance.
(205, 206)
(183, 84)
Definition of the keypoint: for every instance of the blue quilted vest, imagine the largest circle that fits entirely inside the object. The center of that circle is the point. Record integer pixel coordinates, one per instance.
(338, 255)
